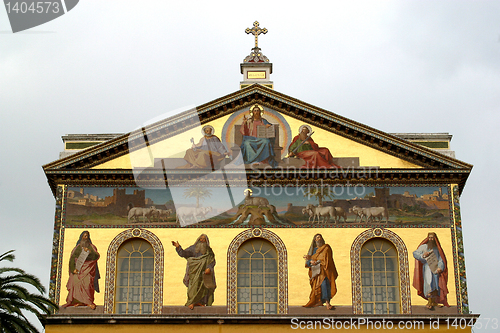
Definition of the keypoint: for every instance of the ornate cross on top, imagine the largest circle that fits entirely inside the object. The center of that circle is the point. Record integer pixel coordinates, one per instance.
(256, 31)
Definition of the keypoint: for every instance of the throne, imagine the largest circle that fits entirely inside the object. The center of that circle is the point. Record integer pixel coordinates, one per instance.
(238, 139)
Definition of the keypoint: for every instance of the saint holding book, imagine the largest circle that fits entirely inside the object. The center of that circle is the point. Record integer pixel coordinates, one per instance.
(322, 273)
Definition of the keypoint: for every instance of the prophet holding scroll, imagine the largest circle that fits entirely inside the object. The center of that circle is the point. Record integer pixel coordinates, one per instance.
(83, 273)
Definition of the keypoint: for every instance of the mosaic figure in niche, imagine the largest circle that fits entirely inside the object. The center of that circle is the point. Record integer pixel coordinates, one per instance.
(322, 273)
(83, 273)
(207, 154)
(304, 147)
(200, 276)
(431, 272)
(257, 146)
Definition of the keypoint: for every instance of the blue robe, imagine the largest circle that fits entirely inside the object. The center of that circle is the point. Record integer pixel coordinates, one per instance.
(255, 149)
(326, 288)
(431, 280)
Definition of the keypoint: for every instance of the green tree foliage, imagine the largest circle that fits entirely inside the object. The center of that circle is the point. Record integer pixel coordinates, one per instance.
(414, 209)
(200, 193)
(319, 193)
(15, 299)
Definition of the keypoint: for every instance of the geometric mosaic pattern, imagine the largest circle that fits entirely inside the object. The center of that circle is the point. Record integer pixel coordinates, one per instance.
(57, 246)
(282, 267)
(403, 267)
(459, 256)
(109, 295)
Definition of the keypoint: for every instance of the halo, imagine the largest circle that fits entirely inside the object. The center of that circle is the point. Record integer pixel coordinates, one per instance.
(203, 129)
(256, 105)
(307, 126)
(249, 190)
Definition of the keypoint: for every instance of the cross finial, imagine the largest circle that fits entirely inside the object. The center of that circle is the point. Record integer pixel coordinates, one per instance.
(256, 31)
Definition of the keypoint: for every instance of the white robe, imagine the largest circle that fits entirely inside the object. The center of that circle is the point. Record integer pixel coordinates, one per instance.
(431, 280)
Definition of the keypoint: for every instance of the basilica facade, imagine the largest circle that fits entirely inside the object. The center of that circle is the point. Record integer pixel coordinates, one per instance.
(257, 210)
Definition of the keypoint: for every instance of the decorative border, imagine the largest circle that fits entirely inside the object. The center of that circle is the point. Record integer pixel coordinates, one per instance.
(109, 295)
(232, 262)
(57, 245)
(458, 256)
(269, 184)
(404, 275)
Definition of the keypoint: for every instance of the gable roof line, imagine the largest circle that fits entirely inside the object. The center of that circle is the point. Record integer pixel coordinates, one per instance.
(275, 96)
(356, 126)
(175, 119)
(362, 128)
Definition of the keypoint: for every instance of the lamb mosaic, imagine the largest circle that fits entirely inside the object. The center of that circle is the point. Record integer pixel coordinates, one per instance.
(338, 205)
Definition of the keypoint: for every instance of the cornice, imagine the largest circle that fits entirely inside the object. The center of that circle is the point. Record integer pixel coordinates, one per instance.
(158, 178)
(283, 319)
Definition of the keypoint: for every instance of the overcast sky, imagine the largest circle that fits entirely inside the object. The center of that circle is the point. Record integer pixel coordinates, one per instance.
(110, 66)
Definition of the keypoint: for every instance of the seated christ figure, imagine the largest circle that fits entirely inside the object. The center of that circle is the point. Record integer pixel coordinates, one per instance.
(253, 148)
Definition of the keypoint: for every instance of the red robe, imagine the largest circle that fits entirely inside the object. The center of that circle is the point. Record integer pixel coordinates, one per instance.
(418, 277)
(315, 158)
(81, 285)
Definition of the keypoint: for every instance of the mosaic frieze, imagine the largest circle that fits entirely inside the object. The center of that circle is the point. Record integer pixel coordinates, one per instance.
(236, 206)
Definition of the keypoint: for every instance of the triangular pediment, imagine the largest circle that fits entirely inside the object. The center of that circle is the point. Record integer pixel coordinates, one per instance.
(351, 144)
